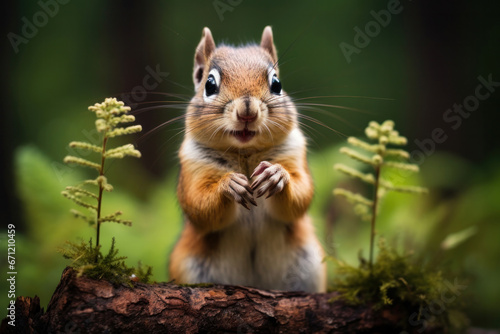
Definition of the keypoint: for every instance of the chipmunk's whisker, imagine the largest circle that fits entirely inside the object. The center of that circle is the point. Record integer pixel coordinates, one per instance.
(309, 118)
(333, 115)
(159, 107)
(173, 120)
(327, 105)
(185, 97)
(345, 96)
(160, 126)
(277, 125)
(269, 131)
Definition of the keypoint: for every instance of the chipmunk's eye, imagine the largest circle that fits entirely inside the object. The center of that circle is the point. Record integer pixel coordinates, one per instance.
(274, 82)
(275, 85)
(212, 84)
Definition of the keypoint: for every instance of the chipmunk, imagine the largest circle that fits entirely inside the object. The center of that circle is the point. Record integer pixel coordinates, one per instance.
(242, 142)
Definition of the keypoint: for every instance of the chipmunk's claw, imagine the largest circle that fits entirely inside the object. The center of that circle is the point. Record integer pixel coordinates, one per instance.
(270, 178)
(239, 190)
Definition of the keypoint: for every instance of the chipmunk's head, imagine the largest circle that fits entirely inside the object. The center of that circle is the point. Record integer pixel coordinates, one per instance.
(239, 101)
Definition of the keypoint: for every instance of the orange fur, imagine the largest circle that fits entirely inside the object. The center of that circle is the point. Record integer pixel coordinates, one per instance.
(200, 194)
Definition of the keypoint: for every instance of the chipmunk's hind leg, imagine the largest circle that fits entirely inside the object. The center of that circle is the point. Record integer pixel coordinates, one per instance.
(198, 271)
(307, 272)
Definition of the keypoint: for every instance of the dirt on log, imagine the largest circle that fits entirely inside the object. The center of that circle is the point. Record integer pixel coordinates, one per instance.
(83, 305)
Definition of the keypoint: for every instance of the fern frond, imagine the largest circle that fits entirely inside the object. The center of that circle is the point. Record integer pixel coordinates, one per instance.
(356, 156)
(402, 165)
(110, 106)
(375, 148)
(114, 219)
(69, 159)
(101, 125)
(397, 140)
(77, 191)
(102, 181)
(368, 178)
(403, 189)
(124, 131)
(397, 153)
(352, 197)
(372, 131)
(119, 221)
(80, 215)
(363, 211)
(78, 201)
(85, 146)
(457, 238)
(122, 151)
(99, 181)
(114, 121)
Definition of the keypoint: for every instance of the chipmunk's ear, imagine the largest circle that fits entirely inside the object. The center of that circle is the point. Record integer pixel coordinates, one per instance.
(203, 52)
(267, 43)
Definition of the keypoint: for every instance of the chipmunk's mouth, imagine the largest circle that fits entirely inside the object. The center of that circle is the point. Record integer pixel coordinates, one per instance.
(244, 135)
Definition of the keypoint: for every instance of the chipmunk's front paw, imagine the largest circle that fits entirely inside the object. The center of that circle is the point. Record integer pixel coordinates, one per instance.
(270, 178)
(236, 187)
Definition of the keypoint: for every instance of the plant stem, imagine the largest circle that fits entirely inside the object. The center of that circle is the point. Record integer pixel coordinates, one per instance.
(99, 199)
(374, 214)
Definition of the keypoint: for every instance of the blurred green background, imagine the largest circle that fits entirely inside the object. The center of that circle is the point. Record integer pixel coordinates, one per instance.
(422, 60)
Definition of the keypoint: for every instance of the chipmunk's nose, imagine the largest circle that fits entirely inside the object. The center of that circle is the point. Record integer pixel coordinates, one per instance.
(247, 110)
(247, 118)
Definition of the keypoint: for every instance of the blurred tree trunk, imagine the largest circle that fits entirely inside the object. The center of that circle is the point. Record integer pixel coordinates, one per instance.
(130, 31)
(448, 46)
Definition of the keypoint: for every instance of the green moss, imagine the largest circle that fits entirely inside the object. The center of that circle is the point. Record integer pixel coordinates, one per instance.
(396, 279)
(393, 277)
(109, 267)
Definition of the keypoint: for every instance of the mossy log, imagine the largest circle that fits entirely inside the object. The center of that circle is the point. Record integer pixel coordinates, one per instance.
(83, 305)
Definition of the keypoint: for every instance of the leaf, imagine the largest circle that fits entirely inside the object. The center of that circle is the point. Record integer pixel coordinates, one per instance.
(80, 215)
(85, 146)
(402, 165)
(375, 148)
(122, 151)
(124, 131)
(77, 191)
(352, 197)
(455, 239)
(69, 159)
(357, 156)
(78, 201)
(368, 178)
(397, 153)
(403, 189)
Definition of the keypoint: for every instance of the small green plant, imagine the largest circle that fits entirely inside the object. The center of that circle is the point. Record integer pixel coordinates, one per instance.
(379, 158)
(393, 278)
(88, 259)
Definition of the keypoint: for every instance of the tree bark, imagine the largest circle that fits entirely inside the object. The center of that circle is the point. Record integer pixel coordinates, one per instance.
(83, 305)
